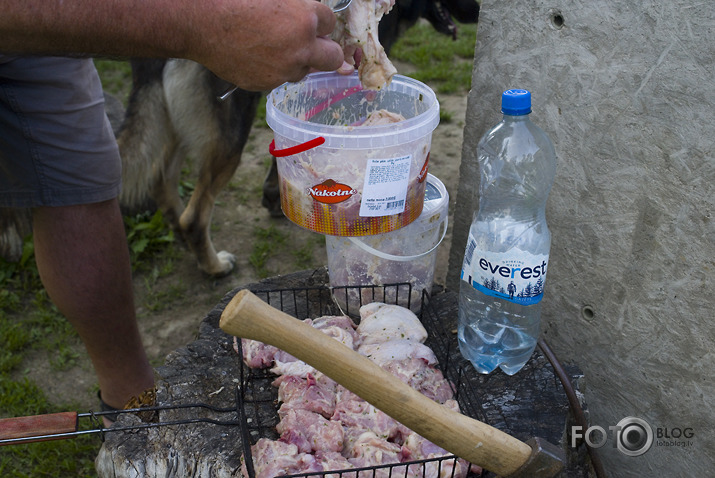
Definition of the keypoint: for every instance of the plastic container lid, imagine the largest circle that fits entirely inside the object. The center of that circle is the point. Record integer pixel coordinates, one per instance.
(516, 102)
(436, 196)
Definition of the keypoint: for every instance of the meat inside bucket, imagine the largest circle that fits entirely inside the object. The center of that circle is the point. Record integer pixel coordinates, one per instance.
(408, 254)
(345, 177)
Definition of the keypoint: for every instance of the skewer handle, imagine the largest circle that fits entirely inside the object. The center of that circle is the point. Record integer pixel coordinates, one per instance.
(38, 426)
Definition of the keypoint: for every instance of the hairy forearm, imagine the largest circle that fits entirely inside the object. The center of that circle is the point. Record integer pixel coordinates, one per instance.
(256, 44)
(91, 27)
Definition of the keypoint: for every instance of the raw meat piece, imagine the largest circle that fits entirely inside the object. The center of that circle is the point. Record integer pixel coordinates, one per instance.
(413, 363)
(398, 349)
(382, 117)
(334, 461)
(371, 450)
(424, 378)
(418, 448)
(341, 328)
(272, 458)
(286, 364)
(358, 416)
(308, 394)
(381, 322)
(256, 354)
(357, 28)
(309, 431)
(342, 394)
(342, 321)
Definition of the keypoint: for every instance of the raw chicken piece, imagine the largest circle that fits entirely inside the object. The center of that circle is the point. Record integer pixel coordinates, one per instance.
(341, 328)
(256, 354)
(342, 321)
(342, 394)
(273, 458)
(357, 28)
(381, 322)
(307, 394)
(398, 349)
(382, 117)
(418, 448)
(286, 364)
(426, 379)
(371, 450)
(309, 431)
(413, 363)
(358, 416)
(334, 461)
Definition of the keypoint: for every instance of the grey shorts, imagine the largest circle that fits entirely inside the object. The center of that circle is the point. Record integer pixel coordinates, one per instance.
(57, 147)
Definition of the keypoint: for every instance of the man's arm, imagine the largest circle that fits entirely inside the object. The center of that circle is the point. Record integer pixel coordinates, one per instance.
(256, 45)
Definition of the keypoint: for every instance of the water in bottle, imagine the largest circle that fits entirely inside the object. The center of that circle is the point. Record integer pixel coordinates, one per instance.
(507, 253)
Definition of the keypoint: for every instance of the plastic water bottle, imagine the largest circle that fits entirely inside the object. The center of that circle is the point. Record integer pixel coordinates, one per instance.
(507, 253)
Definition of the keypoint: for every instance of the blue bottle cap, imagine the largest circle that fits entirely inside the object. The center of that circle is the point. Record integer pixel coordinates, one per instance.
(516, 102)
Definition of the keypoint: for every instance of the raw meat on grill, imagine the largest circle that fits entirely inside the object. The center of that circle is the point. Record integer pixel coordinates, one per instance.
(381, 322)
(325, 427)
(259, 355)
(371, 450)
(256, 354)
(397, 349)
(358, 416)
(309, 431)
(357, 27)
(307, 394)
(273, 458)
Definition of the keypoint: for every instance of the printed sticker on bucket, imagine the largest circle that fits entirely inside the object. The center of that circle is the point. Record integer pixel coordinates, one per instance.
(385, 187)
(331, 192)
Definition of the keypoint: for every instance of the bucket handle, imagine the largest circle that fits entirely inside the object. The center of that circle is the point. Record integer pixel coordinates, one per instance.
(299, 148)
(391, 257)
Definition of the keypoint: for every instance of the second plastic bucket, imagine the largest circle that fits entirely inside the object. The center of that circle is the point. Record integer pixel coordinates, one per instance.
(338, 177)
(407, 255)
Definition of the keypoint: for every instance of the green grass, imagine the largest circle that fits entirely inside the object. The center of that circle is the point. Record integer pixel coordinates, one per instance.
(443, 63)
(268, 240)
(31, 325)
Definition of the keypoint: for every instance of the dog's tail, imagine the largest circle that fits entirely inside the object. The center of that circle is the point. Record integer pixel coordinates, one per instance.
(143, 136)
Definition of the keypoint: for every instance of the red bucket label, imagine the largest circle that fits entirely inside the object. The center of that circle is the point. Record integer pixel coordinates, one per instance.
(331, 192)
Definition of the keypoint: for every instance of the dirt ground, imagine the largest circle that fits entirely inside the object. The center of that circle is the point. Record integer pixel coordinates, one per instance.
(171, 307)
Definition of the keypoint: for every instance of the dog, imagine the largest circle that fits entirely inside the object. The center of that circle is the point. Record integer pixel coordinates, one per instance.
(175, 111)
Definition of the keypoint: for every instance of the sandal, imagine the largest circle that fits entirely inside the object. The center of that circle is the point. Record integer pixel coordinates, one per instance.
(105, 407)
(146, 399)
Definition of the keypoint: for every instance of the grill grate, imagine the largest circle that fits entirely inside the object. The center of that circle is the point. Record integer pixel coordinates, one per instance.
(258, 398)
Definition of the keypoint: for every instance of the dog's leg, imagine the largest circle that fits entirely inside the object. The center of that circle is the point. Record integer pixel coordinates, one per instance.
(15, 224)
(271, 191)
(165, 189)
(146, 138)
(214, 133)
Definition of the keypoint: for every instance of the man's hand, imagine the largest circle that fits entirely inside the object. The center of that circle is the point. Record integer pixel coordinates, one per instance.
(261, 44)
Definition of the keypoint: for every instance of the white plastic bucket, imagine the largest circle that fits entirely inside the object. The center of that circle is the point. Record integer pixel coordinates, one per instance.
(406, 255)
(339, 178)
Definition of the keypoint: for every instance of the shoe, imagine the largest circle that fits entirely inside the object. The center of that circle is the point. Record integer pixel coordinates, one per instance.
(104, 407)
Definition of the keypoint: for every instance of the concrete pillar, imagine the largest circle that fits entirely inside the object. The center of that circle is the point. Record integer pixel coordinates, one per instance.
(626, 92)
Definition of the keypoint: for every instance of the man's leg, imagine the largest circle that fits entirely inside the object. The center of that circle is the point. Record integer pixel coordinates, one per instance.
(83, 260)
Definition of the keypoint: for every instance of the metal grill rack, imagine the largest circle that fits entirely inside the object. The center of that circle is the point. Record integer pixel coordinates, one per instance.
(258, 398)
